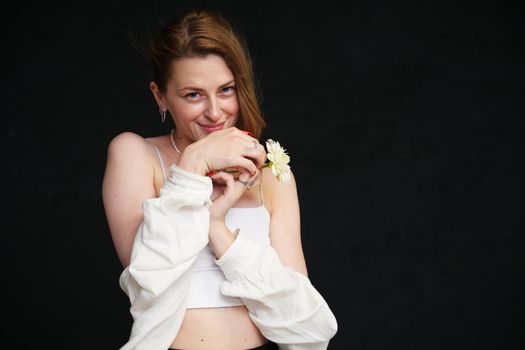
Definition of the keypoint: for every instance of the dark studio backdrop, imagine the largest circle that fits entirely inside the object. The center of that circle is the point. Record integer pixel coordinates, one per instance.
(404, 125)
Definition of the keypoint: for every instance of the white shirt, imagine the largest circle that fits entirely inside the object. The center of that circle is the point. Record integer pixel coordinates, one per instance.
(281, 302)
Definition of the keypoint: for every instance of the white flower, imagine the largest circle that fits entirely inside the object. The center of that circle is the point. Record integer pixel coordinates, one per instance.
(278, 161)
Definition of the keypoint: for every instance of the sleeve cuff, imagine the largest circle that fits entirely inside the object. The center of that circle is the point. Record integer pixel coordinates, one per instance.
(234, 260)
(183, 182)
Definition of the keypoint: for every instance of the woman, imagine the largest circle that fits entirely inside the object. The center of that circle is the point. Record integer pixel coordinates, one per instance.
(213, 259)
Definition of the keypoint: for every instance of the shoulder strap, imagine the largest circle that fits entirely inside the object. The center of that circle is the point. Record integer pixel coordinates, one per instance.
(261, 191)
(160, 159)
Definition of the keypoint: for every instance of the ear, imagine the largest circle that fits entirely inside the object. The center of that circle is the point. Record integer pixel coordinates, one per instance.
(159, 96)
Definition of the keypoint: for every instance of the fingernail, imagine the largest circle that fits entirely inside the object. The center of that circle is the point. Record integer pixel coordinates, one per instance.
(211, 173)
(247, 132)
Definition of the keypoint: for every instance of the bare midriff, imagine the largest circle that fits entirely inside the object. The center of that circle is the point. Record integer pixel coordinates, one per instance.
(218, 328)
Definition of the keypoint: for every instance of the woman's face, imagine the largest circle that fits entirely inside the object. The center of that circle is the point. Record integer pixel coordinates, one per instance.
(201, 96)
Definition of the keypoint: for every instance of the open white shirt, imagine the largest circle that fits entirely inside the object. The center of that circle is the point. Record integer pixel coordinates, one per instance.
(281, 302)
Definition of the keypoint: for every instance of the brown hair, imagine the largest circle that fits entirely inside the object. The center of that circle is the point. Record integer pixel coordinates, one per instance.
(200, 33)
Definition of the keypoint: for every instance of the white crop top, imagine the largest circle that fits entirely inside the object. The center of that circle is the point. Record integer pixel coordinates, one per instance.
(207, 277)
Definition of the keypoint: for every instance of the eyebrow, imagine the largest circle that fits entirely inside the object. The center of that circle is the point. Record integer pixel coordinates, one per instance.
(199, 89)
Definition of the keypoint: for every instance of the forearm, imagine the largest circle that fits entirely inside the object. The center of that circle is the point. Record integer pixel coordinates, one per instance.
(220, 237)
(282, 302)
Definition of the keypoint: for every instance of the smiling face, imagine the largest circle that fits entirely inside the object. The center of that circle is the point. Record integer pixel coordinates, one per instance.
(200, 96)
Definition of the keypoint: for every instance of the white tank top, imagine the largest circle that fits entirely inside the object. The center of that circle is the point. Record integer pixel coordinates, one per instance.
(207, 277)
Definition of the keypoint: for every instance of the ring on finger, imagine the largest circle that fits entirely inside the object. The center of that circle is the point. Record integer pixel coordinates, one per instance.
(245, 183)
(255, 144)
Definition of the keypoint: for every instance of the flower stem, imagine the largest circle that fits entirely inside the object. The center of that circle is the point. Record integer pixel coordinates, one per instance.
(265, 165)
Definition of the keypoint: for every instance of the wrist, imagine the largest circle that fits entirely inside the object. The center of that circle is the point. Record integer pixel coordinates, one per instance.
(220, 237)
(217, 224)
(190, 161)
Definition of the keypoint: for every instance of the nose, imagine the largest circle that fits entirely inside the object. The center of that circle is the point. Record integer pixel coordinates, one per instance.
(213, 109)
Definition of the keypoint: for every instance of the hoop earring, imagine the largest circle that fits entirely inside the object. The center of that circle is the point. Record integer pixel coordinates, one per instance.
(162, 115)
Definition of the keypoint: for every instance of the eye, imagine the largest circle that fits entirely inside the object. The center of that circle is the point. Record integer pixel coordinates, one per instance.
(192, 95)
(228, 90)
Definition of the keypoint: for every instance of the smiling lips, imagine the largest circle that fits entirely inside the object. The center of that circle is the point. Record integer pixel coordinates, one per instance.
(212, 127)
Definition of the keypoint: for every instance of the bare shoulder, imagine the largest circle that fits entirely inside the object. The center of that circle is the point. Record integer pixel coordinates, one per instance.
(272, 184)
(128, 158)
(127, 144)
(128, 165)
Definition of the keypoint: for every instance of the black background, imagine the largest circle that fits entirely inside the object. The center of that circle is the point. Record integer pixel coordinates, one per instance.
(403, 120)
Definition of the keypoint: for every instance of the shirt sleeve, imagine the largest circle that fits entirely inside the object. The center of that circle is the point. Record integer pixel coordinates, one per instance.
(167, 243)
(282, 303)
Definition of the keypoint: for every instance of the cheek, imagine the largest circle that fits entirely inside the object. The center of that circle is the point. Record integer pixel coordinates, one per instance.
(232, 106)
(187, 111)
(232, 109)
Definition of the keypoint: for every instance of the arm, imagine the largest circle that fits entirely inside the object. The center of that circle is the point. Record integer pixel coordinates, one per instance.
(128, 178)
(163, 250)
(157, 281)
(127, 183)
(272, 280)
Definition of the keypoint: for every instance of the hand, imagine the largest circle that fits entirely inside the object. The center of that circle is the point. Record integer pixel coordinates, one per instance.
(232, 192)
(224, 149)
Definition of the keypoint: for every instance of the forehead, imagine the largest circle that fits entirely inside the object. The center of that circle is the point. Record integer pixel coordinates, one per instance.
(209, 71)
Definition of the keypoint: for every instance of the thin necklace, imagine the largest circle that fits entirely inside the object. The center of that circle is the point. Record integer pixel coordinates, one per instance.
(173, 142)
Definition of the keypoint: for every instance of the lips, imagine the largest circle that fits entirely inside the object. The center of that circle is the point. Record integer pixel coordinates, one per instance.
(212, 127)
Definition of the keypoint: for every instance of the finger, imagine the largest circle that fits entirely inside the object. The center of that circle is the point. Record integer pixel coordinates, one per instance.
(217, 179)
(248, 165)
(257, 156)
(231, 192)
(229, 180)
(256, 176)
(251, 180)
(245, 135)
(244, 177)
(246, 180)
(255, 179)
(221, 177)
(253, 148)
